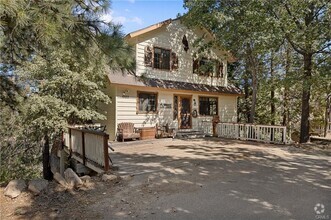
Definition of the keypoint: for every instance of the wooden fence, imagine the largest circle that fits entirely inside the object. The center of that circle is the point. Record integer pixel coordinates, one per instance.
(90, 147)
(260, 133)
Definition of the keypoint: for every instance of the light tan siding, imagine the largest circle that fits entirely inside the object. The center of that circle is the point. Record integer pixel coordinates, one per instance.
(170, 37)
(126, 110)
(110, 111)
(228, 109)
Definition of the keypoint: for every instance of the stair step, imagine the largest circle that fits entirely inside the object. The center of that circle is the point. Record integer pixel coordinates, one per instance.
(190, 134)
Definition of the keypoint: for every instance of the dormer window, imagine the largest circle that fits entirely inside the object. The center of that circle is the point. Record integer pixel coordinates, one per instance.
(161, 58)
(208, 67)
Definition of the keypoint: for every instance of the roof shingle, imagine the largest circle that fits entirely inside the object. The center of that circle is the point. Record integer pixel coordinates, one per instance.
(127, 79)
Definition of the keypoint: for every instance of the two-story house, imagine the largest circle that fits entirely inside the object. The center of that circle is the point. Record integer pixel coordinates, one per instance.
(174, 82)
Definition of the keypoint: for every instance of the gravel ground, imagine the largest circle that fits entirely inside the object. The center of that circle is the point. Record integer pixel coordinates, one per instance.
(194, 179)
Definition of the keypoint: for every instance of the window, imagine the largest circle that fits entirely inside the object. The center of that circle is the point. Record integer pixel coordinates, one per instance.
(158, 58)
(161, 58)
(147, 102)
(208, 106)
(208, 67)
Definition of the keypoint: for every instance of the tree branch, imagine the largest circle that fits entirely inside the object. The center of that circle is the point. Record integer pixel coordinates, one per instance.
(295, 47)
(322, 50)
(295, 20)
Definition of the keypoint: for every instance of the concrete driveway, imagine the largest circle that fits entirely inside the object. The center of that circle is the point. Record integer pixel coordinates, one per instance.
(221, 179)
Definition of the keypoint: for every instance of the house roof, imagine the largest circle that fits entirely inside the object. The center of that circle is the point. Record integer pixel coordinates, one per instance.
(149, 28)
(161, 24)
(127, 79)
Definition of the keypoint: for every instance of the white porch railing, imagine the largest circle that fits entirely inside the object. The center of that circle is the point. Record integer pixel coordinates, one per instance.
(206, 126)
(260, 133)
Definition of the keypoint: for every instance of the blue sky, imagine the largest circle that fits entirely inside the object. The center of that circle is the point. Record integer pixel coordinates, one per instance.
(137, 14)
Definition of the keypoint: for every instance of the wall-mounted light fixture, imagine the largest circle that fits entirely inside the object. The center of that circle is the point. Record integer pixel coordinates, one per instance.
(125, 93)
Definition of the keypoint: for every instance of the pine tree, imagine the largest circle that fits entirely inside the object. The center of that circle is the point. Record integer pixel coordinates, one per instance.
(251, 29)
(59, 54)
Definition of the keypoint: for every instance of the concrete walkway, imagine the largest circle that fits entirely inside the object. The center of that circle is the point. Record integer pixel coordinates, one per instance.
(221, 179)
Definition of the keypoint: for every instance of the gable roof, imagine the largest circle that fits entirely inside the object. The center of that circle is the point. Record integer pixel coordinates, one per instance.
(149, 28)
(131, 80)
(161, 24)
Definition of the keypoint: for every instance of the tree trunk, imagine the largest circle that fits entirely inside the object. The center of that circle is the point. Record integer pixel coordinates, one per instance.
(286, 112)
(304, 130)
(47, 173)
(327, 115)
(246, 91)
(252, 66)
(272, 91)
(254, 95)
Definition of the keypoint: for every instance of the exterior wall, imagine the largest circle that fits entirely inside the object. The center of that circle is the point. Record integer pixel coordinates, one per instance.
(110, 111)
(170, 37)
(228, 108)
(126, 108)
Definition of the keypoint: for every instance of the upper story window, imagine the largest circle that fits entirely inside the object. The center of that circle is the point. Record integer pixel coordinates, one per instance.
(161, 58)
(208, 67)
(147, 102)
(208, 106)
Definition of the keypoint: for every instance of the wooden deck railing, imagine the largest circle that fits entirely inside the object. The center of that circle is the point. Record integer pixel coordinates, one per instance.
(91, 146)
(260, 133)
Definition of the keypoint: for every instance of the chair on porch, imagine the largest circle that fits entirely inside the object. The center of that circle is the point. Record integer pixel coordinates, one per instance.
(126, 130)
(164, 131)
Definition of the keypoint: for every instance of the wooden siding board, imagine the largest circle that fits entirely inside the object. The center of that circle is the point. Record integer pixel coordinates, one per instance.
(126, 109)
(109, 110)
(171, 37)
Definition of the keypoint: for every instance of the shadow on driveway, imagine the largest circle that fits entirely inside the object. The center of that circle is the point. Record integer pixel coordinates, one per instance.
(213, 179)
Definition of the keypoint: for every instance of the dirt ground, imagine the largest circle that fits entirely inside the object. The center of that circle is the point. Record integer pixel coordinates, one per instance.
(193, 179)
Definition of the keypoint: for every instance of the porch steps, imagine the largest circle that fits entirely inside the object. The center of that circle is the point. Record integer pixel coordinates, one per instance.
(189, 134)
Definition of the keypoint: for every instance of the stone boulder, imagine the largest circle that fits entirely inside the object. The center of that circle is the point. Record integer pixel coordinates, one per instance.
(58, 178)
(109, 177)
(14, 188)
(86, 178)
(72, 178)
(36, 186)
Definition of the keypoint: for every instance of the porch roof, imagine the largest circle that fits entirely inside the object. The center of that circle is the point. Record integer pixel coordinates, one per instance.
(128, 79)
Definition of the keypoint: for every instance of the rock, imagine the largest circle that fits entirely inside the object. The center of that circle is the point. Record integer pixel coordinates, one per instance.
(55, 164)
(86, 178)
(72, 178)
(108, 177)
(54, 214)
(20, 211)
(127, 177)
(36, 186)
(58, 178)
(79, 167)
(14, 188)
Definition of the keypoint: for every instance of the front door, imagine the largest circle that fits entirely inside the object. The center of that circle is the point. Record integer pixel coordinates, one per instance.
(185, 120)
